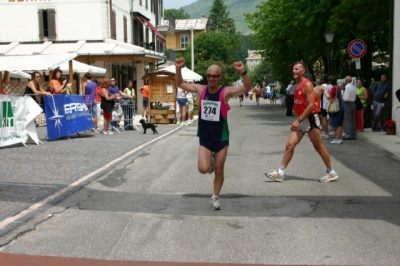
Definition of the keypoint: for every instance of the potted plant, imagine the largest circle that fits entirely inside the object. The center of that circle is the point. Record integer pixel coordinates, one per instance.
(390, 127)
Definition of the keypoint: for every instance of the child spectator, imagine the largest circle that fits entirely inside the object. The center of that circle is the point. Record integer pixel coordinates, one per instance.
(116, 118)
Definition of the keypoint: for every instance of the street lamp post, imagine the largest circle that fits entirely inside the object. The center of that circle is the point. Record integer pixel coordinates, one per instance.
(192, 47)
(329, 39)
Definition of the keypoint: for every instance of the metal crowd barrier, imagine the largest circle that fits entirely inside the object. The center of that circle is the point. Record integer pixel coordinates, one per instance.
(129, 112)
(123, 114)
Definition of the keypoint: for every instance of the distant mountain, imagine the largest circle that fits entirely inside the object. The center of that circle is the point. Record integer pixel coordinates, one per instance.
(236, 8)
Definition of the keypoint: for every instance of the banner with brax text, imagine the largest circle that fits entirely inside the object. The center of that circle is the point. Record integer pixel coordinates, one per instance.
(66, 115)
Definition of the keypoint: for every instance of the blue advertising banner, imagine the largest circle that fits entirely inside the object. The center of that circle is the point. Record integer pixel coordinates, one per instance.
(66, 115)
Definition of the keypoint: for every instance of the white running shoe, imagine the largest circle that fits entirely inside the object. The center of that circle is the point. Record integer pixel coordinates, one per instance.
(337, 141)
(215, 204)
(275, 176)
(324, 135)
(328, 177)
(107, 132)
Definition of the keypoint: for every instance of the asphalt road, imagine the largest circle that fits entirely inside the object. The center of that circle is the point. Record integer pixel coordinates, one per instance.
(152, 204)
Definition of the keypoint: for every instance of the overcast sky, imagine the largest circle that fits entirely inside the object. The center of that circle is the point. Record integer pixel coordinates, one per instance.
(168, 4)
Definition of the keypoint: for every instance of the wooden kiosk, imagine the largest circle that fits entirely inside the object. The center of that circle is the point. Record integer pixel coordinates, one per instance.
(162, 97)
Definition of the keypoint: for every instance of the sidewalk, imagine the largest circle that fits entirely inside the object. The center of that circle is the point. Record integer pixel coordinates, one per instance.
(390, 143)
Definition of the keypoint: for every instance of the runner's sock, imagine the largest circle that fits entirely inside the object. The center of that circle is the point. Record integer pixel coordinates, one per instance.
(281, 170)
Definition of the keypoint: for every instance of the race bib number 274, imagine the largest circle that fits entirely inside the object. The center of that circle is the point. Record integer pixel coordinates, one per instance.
(210, 110)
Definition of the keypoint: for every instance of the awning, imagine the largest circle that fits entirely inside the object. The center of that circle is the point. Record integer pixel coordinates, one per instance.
(82, 68)
(187, 74)
(83, 49)
(34, 62)
(19, 74)
(159, 36)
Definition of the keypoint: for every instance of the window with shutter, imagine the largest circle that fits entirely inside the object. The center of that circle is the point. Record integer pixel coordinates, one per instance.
(51, 18)
(125, 30)
(41, 27)
(113, 26)
(147, 38)
(47, 23)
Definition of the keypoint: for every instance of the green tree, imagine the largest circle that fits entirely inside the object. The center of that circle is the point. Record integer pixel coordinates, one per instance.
(362, 19)
(291, 30)
(177, 13)
(241, 44)
(262, 72)
(219, 20)
(213, 48)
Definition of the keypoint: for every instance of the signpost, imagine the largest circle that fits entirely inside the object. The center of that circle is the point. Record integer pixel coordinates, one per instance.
(357, 48)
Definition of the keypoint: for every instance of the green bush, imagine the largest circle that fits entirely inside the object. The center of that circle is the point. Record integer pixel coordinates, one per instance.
(160, 107)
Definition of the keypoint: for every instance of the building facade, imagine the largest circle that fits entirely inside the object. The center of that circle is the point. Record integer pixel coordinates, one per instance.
(119, 35)
(253, 59)
(181, 32)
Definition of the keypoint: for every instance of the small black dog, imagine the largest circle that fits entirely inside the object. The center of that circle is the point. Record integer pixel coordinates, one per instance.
(148, 125)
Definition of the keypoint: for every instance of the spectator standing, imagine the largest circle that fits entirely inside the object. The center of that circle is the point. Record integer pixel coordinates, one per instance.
(290, 98)
(68, 88)
(381, 91)
(98, 103)
(145, 99)
(113, 89)
(128, 105)
(190, 106)
(87, 77)
(273, 95)
(349, 103)
(250, 94)
(268, 93)
(107, 104)
(318, 95)
(241, 97)
(338, 117)
(257, 92)
(361, 93)
(34, 87)
(89, 92)
(324, 104)
(56, 86)
(116, 118)
(182, 101)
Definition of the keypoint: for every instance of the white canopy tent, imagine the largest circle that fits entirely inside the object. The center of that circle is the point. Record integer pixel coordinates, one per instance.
(77, 67)
(82, 68)
(34, 62)
(187, 74)
(19, 74)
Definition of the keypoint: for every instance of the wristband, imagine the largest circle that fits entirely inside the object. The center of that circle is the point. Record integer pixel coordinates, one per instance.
(299, 119)
(244, 73)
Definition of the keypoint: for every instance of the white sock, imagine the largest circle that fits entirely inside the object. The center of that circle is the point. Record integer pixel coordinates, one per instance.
(281, 170)
(214, 197)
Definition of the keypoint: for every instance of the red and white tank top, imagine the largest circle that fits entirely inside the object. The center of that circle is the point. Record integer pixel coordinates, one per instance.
(300, 99)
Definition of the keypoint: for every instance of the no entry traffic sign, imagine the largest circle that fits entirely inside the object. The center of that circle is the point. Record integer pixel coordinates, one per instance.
(357, 48)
